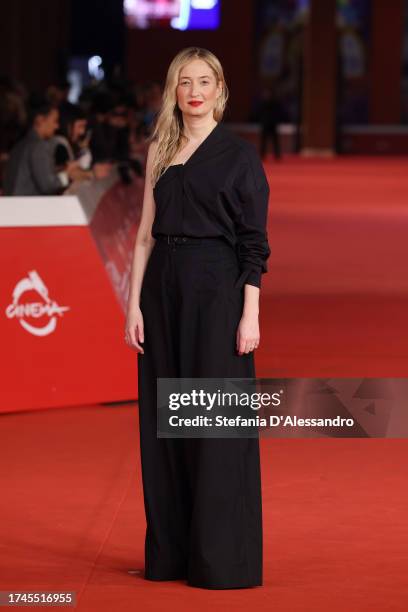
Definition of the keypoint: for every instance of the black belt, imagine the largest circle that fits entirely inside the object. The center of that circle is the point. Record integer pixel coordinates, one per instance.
(172, 239)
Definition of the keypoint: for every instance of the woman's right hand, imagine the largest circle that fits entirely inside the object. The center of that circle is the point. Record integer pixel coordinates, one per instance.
(134, 330)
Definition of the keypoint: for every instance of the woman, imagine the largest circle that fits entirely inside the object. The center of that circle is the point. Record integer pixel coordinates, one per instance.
(71, 141)
(200, 251)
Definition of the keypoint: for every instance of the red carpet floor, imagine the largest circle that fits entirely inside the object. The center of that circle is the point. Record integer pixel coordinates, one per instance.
(335, 531)
(335, 528)
(335, 299)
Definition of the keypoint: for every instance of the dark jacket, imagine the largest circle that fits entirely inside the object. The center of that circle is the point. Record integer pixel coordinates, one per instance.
(221, 190)
(30, 170)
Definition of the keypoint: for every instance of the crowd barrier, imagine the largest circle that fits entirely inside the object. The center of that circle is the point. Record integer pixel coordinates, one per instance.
(64, 282)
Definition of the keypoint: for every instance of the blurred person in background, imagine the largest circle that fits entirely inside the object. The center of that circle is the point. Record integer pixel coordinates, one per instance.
(110, 129)
(13, 115)
(57, 94)
(270, 115)
(71, 143)
(153, 101)
(111, 135)
(139, 131)
(72, 139)
(137, 93)
(118, 120)
(31, 170)
(101, 143)
(13, 119)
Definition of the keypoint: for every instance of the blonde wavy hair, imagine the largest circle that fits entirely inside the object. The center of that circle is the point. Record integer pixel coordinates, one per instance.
(168, 128)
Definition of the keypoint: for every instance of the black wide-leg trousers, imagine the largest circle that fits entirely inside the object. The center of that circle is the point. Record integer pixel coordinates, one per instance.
(202, 496)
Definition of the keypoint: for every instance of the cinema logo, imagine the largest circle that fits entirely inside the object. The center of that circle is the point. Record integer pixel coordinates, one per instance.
(45, 308)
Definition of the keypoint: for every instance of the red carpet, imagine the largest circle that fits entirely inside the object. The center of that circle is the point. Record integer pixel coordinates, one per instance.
(335, 530)
(336, 295)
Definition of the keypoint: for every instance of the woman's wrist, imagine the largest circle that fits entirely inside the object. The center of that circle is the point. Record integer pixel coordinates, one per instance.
(133, 303)
(249, 313)
(251, 303)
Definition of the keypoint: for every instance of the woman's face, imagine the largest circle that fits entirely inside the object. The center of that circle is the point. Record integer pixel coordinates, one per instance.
(197, 89)
(77, 129)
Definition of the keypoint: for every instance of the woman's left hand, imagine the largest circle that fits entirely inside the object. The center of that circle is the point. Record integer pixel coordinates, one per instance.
(247, 334)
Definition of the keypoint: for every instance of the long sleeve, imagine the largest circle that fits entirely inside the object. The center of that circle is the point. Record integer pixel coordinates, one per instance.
(251, 197)
(43, 170)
